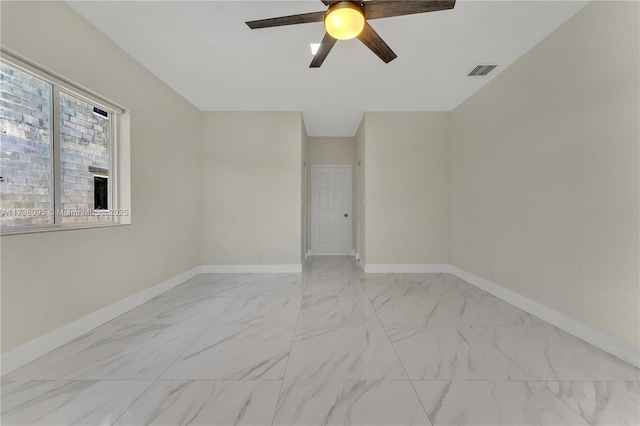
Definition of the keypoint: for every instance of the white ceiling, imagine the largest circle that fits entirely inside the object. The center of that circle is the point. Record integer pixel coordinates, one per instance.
(204, 51)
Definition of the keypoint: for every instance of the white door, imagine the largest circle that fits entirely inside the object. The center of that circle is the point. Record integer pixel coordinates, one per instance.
(331, 209)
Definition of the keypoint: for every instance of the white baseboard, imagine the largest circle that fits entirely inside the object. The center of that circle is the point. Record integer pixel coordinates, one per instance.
(34, 349)
(352, 253)
(399, 268)
(252, 269)
(24, 354)
(608, 343)
(598, 338)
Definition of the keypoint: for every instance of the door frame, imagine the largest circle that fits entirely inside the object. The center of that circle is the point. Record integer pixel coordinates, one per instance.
(358, 211)
(349, 170)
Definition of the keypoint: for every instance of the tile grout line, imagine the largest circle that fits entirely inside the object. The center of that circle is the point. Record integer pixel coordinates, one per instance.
(291, 347)
(187, 346)
(153, 382)
(435, 297)
(475, 331)
(507, 356)
(545, 324)
(529, 374)
(400, 361)
(284, 373)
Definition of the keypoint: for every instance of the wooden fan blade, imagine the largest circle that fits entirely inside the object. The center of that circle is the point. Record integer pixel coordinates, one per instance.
(323, 51)
(373, 41)
(303, 18)
(376, 9)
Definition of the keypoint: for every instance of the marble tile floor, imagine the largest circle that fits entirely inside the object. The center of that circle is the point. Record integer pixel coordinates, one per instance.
(330, 346)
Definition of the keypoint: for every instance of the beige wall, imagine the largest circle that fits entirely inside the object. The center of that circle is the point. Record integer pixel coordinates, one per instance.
(407, 192)
(360, 212)
(51, 279)
(251, 188)
(545, 173)
(325, 150)
(330, 150)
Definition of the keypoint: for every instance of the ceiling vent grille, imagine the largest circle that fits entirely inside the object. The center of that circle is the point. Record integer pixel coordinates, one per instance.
(482, 70)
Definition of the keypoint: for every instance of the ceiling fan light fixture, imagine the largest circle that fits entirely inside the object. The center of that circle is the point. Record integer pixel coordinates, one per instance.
(344, 20)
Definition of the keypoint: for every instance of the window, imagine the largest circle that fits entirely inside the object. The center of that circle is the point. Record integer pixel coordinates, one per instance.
(26, 143)
(57, 153)
(101, 193)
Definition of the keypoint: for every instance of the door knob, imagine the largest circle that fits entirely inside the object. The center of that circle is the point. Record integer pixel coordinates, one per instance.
(346, 215)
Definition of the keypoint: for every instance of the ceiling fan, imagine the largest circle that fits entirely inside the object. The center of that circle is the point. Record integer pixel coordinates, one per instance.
(345, 20)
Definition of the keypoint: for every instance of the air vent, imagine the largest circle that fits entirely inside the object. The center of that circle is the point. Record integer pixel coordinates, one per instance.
(482, 70)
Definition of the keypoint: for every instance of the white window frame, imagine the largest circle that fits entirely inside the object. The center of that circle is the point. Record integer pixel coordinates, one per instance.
(119, 190)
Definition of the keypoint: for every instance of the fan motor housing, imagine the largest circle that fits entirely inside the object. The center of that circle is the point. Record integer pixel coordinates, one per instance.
(345, 4)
